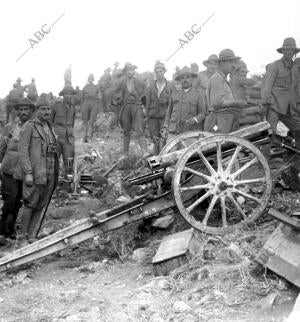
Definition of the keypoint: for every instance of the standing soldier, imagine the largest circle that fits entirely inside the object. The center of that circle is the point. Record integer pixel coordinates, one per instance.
(11, 187)
(186, 111)
(32, 93)
(90, 106)
(211, 64)
(157, 100)
(63, 119)
(278, 94)
(38, 169)
(223, 108)
(131, 115)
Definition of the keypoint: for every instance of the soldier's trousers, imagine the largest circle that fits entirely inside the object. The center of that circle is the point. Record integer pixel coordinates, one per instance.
(11, 195)
(221, 122)
(291, 122)
(35, 198)
(155, 125)
(67, 150)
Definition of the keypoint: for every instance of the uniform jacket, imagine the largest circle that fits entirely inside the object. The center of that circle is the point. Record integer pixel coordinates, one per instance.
(63, 118)
(135, 96)
(184, 106)
(32, 150)
(9, 141)
(201, 81)
(277, 89)
(156, 106)
(219, 93)
(90, 91)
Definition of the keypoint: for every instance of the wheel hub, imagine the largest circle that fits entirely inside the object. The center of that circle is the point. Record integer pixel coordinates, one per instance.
(223, 186)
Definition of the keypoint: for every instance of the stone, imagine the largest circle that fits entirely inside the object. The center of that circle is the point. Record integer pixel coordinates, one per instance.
(93, 314)
(140, 254)
(163, 222)
(180, 306)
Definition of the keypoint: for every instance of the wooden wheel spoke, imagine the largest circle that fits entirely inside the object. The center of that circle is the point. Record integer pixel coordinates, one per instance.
(209, 209)
(233, 159)
(237, 206)
(198, 187)
(207, 164)
(244, 167)
(183, 144)
(223, 209)
(219, 157)
(249, 181)
(246, 195)
(197, 173)
(197, 202)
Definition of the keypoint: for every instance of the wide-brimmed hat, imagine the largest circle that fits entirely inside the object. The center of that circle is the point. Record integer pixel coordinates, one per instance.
(211, 58)
(19, 79)
(91, 77)
(227, 54)
(67, 89)
(289, 43)
(185, 71)
(24, 102)
(161, 65)
(129, 66)
(42, 101)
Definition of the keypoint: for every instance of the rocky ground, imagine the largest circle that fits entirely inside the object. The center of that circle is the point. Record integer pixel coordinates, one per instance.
(111, 278)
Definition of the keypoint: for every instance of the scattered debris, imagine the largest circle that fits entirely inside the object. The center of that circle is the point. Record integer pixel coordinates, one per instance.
(163, 222)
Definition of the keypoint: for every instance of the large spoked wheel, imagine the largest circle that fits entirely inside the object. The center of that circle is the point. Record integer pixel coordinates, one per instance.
(220, 183)
(182, 141)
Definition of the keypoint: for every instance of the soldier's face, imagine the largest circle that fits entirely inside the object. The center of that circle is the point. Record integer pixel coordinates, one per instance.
(212, 66)
(44, 112)
(288, 53)
(186, 81)
(24, 113)
(130, 73)
(159, 73)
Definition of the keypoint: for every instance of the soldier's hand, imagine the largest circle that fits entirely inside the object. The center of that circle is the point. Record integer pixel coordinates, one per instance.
(241, 104)
(29, 180)
(190, 122)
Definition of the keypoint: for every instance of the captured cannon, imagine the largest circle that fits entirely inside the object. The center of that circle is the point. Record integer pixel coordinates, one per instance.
(217, 182)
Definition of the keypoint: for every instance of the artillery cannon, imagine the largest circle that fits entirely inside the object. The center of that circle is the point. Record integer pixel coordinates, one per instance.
(218, 183)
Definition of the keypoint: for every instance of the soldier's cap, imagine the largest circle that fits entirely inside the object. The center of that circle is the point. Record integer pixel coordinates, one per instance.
(129, 66)
(227, 54)
(185, 71)
(289, 43)
(161, 65)
(211, 58)
(42, 101)
(91, 77)
(24, 102)
(19, 79)
(67, 89)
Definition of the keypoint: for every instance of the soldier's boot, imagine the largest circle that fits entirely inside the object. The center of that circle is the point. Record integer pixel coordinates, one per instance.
(34, 224)
(23, 221)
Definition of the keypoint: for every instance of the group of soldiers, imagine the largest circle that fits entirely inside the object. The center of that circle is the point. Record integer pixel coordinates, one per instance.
(220, 99)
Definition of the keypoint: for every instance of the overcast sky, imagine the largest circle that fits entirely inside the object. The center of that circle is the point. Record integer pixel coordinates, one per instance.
(92, 35)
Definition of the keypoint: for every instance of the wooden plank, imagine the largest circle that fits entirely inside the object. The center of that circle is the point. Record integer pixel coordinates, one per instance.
(86, 229)
(175, 250)
(293, 222)
(281, 253)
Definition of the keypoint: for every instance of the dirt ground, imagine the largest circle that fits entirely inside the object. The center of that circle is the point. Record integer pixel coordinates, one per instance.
(99, 280)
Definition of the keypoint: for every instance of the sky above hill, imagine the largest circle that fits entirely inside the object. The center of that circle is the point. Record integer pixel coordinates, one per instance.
(91, 35)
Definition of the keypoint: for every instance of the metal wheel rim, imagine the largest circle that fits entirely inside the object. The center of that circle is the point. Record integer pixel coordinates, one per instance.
(195, 148)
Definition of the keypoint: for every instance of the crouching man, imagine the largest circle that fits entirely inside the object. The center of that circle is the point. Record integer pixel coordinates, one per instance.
(12, 188)
(38, 169)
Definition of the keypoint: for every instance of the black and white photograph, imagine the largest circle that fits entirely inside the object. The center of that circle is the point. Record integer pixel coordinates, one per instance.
(150, 161)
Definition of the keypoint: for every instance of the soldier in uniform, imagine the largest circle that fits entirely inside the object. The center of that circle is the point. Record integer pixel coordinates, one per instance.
(201, 81)
(38, 169)
(223, 108)
(11, 187)
(157, 101)
(278, 94)
(90, 106)
(131, 115)
(63, 118)
(186, 110)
